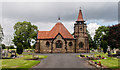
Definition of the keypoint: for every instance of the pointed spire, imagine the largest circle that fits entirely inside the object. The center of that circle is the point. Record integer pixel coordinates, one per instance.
(80, 16)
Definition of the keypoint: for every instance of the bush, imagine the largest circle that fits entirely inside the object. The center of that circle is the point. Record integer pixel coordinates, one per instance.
(105, 47)
(3, 46)
(19, 48)
(82, 55)
(11, 47)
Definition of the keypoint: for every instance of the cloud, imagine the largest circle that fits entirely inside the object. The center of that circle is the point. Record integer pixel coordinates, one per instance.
(7, 25)
(119, 11)
(92, 27)
(60, 0)
(48, 26)
(49, 11)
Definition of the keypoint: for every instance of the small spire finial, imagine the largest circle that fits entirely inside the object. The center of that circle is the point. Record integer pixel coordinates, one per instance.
(59, 18)
(80, 8)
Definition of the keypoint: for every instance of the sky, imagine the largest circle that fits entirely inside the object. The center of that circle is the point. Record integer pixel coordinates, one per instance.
(45, 15)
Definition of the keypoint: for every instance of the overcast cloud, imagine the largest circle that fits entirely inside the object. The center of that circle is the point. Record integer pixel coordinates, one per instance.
(48, 12)
(45, 14)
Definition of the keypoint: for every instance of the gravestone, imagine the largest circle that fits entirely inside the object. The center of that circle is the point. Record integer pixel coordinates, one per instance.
(96, 50)
(3, 52)
(109, 53)
(114, 50)
(6, 53)
(118, 53)
(24, 50)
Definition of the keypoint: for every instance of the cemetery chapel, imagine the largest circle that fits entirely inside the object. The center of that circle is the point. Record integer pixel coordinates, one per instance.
(59, 39)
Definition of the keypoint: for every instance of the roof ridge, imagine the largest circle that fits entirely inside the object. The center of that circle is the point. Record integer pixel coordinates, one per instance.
(58, 28)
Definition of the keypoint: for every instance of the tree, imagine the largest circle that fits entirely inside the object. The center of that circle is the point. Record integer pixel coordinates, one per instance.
(104, 43)
(23, 34)
(114, 36)
(1, 37)
(1, 34)
(3, 46)
(19, 48)
(100, 34)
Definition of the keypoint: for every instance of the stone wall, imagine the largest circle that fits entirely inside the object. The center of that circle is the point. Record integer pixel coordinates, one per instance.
(66, 48)
(37, 48)
(71, 49)
(78, 49)
(59, 50)
(81, 36)
(43, 47)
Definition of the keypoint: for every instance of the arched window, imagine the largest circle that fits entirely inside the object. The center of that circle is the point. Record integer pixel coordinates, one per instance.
(80, 45)
(47, 44)
(59, 44)
(80, 29)
(70, 44)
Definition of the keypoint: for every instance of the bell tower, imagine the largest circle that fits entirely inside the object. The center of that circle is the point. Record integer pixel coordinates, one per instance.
(82, 43)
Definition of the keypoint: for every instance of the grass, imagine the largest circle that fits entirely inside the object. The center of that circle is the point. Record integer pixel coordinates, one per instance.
(20, 62)
(0, 64)
(110, 62)
(15, 49)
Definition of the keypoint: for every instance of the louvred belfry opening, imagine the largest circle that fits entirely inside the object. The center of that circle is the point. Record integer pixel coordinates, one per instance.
(80, 17)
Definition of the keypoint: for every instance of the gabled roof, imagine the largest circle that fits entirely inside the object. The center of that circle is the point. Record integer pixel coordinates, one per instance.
(58, 28)
(80, 16)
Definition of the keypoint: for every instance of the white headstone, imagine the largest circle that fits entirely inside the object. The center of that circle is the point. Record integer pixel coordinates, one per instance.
(114, 50)
(108, 49)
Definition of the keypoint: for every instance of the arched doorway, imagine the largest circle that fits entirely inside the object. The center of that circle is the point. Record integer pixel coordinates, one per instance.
(81, 45)
(59, 44)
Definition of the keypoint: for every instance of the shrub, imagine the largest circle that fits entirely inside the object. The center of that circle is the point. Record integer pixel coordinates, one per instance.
(82, 55)
(3, 46)
(19, 48)
(104, 45)
(11, 47)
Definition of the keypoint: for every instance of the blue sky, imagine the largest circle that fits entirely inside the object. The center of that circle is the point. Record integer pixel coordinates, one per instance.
(102, 23)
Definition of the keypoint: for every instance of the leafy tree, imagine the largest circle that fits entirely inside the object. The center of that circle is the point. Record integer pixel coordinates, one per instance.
(101, 34)
(24, 32)
(1, 38)
(19, 48)
(114, 36)
(1, 33)
(3, 46)
(104, 43)
(34, 46)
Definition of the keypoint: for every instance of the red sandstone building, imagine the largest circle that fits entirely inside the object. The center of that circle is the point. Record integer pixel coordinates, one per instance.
(59, 39)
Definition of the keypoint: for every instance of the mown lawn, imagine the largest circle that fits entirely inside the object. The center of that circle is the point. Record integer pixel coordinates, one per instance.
(15, 49)
(20, 62)
(110, 62)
